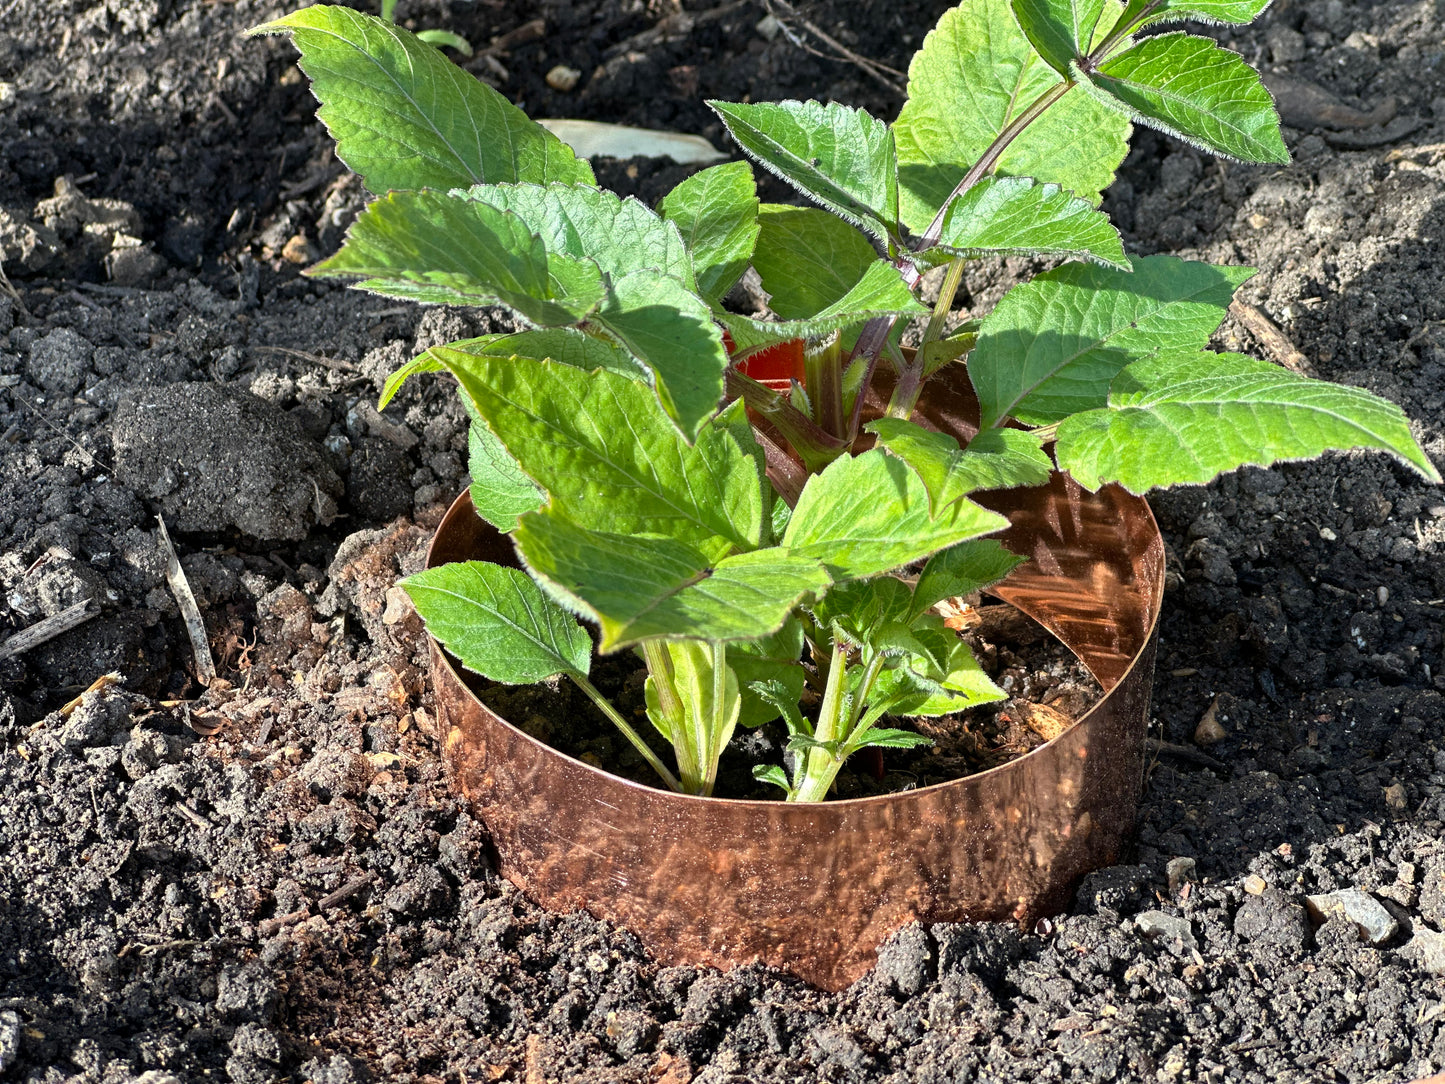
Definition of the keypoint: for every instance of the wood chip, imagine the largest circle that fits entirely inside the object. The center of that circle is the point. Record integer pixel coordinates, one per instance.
(1043, 720)
(1274, 341)
(47, 629)
(190, 612)
(1210, 731)
(102, 682)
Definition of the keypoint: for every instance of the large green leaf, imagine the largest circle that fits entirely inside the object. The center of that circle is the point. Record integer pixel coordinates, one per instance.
(962, 570)
(994, 459)
(1016, 216)
(874, 612)
(1206, 11)
(638, 588)
(671, 331)
(918, 686)
(1052, 346)
(716, 211)
(618, 235)
(868, 514)
(1188, 417)
(609, 458)
(975, 74)
(837, 155)
(808, 259)
(499, 623)
(500, 490)
(1061, 30)
(426, 246)
(881, 292)
(405, 117)
(1193, 89)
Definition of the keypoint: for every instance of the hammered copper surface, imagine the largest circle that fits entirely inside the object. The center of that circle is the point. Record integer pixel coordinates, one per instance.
(813, 889)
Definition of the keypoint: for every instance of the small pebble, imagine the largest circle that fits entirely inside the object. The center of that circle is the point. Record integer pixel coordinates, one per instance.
(1427, 949)
(1327, 534)
(1154, 924)
(1179, 870)
(563, 78)
(1396, 798)
(1376, 925)
(1382, 593)
(1255, 885)
(1210, 730)
(769, 27)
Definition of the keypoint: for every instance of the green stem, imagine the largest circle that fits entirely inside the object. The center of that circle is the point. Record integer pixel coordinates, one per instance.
(823, 378)
(633, 736)
(388, 9)
(716, 738)
(944, 305)
(820, 767)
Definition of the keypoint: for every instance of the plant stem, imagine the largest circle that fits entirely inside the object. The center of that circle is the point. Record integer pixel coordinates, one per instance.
(944, 305)
(823, 378)
(820, 767)
(622, 724)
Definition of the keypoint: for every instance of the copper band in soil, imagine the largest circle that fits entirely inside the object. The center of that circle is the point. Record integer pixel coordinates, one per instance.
(814, 889)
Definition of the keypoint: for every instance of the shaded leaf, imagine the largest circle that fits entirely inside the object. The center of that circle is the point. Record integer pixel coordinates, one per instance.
(1193, 89)
(807, 259)
(498, 622)
(837, 155)
(425, 246)
(962, 570)
(405, 117)
(1208, 11)
(917, 686)
(1052, 346)
(1016, 216)
(1184, 417)
(1061, 30)
(716, 211)
(638, 588)
(975, 74)
(886, 738)
(868, 514)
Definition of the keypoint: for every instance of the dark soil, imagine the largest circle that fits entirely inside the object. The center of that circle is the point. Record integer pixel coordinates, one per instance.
(299, 897)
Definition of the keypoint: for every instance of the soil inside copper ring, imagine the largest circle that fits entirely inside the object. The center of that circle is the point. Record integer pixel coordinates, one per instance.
(1050, 689)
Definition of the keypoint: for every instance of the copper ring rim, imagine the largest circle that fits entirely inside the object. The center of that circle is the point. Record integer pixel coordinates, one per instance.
(463, 506)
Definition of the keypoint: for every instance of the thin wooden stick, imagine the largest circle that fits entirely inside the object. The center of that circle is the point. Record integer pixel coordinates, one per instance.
(190, 612)
(1274, 341)
(47, 629)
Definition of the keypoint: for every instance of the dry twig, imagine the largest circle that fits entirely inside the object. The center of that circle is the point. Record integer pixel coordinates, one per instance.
(190, 612)
(47, 629)
(1276, 344)
(784, 12)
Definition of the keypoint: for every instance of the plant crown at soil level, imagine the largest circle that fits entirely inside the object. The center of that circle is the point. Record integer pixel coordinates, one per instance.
(753, 557)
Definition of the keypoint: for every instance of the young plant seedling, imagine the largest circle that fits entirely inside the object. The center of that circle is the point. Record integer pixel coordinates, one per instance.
(722, 524)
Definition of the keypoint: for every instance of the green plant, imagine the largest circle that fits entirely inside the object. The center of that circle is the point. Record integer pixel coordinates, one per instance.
(747, 562)
(439, 38)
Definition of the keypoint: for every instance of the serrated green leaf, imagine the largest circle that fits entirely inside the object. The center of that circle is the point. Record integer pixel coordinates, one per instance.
(609, 458)
(1016, 216)
(752, 671)
(868, 514)
(1208, 11)
(498, 622)
(861, 609)
(716, 211)
(887, 738)
(618, 235)
(638, 588)
(422, 363)
(425, 246)
(918, 687)
(1190, 417)
(1191, 88)
(994, 459)
(837, 155)
(1060, 30)
(962, 570)
(672, 332)
(564, 345)
(975, 74)
(1052, 346)
(772, 773)
(405, 117)
(880, 292)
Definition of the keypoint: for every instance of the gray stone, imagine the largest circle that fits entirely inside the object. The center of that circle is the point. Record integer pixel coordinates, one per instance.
(1367, 914)
(1174, 930)
(1179, 871)
(216, 458)
(58, 362)
(1426, 949)
(9, 1039)
(1273, 918)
